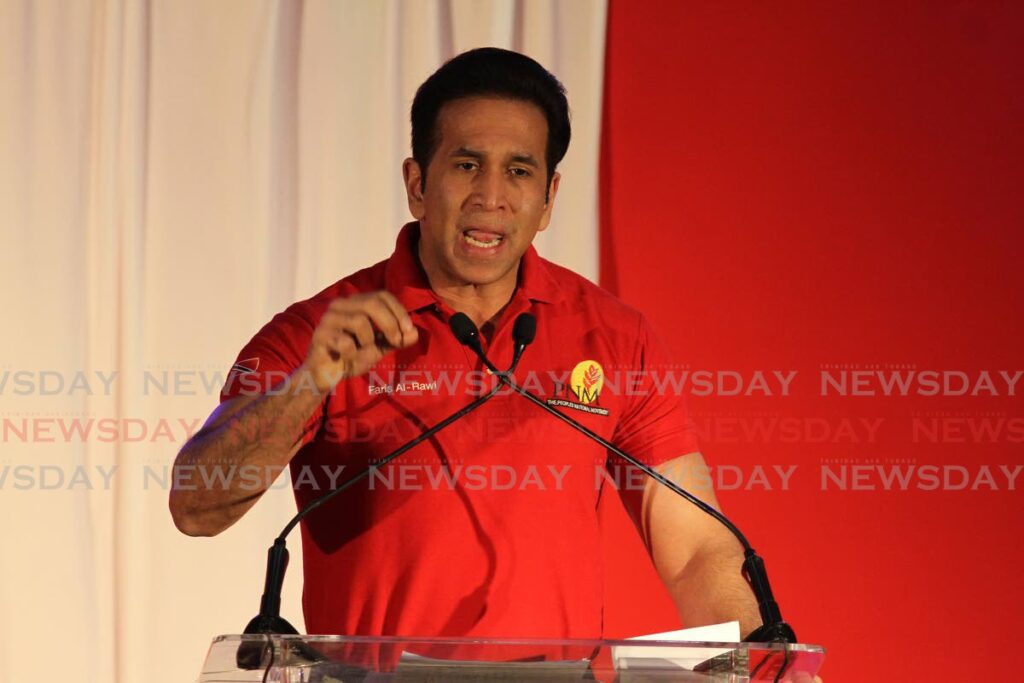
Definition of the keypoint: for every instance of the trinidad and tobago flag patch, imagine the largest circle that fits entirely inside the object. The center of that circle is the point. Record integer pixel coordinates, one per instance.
(246, 366)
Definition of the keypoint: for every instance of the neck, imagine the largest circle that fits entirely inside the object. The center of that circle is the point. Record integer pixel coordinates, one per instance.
(482, 303)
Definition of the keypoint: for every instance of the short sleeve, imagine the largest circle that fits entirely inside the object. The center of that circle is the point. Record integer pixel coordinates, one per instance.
(270, 357)
(655, 425)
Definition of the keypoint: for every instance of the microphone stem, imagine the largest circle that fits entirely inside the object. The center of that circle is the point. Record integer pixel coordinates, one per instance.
(388, 458)
(649, 471)
(774, 628)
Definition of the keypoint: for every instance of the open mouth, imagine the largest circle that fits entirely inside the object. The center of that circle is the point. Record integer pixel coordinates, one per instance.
(482, 238)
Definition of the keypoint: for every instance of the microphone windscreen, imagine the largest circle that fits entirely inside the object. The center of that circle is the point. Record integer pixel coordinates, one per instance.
(524, 329)
(463, 328)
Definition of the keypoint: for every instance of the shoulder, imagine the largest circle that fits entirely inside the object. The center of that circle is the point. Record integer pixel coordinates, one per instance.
(368, 279)
(580, 296)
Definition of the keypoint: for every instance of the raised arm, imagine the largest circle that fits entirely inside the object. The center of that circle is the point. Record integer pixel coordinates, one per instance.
(248, 440)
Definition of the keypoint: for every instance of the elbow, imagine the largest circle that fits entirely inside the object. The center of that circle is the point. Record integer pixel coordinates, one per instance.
(190, 521)
(189, 505)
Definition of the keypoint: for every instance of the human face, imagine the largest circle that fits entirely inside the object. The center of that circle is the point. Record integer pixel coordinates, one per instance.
(484, 197)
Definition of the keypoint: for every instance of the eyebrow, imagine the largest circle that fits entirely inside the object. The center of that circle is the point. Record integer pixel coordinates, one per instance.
(526, 159)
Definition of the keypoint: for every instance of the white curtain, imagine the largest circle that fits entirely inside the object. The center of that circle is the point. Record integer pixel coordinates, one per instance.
(172, 173)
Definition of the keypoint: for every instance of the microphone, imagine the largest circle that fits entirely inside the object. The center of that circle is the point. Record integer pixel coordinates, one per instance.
(269, 619)
(465, 331)
(524, 330)
(773, 628)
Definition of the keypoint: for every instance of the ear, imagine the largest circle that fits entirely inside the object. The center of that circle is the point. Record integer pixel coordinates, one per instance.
(413, 178)
(552, 191)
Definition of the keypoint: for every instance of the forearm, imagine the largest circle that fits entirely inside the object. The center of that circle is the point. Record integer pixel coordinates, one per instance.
(227, 466)
(711, 589)
(698, 559)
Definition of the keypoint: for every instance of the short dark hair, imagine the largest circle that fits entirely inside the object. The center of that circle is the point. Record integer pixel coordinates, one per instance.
(495, 72)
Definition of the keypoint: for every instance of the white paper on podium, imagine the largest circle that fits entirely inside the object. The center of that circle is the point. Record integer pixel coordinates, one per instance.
(640, 657)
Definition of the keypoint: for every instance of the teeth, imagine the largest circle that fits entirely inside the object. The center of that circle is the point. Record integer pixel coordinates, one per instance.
(478, 243)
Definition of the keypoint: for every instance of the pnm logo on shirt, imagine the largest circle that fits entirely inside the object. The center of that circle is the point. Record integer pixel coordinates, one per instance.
(583, 392)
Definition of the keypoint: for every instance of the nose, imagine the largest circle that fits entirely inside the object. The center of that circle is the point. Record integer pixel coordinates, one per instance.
(489, 191)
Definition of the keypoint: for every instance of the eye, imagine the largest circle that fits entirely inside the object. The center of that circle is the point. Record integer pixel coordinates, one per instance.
(466, 165)
(519, 172)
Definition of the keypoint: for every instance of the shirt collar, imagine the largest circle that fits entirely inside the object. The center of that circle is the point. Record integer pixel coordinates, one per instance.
(405, 278)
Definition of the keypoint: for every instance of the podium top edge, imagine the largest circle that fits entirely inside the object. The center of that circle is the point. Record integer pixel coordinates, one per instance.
(518, 641)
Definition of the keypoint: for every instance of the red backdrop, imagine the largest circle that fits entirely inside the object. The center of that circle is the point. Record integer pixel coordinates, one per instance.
(835, 188)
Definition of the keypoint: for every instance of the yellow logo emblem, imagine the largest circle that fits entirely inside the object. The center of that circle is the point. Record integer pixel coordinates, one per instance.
(581, 390)
(586, 381)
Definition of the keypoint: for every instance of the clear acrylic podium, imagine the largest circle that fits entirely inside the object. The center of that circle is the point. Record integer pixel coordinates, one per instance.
(359, 659)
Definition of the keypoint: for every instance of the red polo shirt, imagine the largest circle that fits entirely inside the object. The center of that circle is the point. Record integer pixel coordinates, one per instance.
(490, 527)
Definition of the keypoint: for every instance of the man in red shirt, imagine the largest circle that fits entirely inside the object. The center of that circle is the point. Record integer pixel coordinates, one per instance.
(490, 527)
